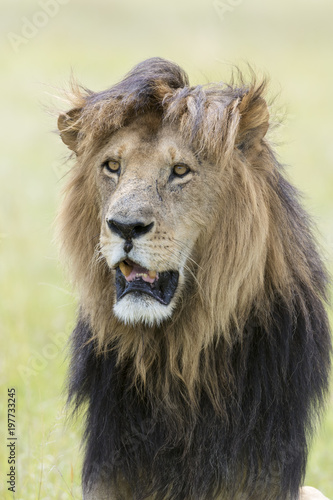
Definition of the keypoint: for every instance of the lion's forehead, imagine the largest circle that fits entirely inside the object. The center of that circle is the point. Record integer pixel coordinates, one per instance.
(141, 144)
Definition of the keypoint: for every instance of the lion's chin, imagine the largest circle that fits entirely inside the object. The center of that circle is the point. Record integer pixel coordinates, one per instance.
(137, 307)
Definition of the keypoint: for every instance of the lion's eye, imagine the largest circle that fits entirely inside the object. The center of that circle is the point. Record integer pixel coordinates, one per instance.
(180, 170)
(112, 166)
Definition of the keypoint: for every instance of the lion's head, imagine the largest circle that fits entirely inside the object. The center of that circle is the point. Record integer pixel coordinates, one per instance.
(174, 220)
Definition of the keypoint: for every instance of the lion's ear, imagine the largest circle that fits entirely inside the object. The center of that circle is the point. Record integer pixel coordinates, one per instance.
(253, 123)
(69, 128)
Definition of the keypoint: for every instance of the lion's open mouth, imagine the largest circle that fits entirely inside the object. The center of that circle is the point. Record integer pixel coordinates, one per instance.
(131, 277)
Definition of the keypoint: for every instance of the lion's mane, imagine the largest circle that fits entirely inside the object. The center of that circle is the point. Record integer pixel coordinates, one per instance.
(220, 399)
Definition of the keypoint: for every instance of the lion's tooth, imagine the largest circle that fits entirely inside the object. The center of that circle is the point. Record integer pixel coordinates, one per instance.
(125, 269)
(152, 274)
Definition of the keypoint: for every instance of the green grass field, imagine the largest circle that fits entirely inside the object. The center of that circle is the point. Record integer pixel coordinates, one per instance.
(42, 42)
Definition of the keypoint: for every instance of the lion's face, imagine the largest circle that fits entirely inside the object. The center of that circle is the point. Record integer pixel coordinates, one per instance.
(154, 193)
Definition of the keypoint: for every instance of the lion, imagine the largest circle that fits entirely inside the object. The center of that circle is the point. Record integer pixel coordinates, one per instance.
(202, 346)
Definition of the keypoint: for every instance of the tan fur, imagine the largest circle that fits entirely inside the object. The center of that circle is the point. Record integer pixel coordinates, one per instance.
(237, 252)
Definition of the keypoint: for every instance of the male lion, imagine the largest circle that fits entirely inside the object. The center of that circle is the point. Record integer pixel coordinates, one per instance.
(202, 345)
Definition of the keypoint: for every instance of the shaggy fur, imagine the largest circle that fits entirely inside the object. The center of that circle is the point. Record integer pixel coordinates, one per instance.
(220, 400)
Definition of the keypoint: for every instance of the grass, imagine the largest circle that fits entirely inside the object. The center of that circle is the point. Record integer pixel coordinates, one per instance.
(101, 41)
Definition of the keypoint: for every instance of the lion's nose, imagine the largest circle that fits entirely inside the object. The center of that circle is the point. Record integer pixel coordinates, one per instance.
(129, 230)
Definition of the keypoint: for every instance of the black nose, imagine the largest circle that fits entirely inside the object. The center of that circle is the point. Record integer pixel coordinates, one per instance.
(130, 230)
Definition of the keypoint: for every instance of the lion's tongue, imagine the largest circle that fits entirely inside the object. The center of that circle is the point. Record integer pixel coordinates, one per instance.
(133, 271)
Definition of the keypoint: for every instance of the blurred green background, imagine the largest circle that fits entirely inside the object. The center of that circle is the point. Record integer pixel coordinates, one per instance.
(41, 43)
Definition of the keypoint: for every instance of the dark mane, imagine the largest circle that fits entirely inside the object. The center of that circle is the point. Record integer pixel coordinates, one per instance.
(200, 453)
